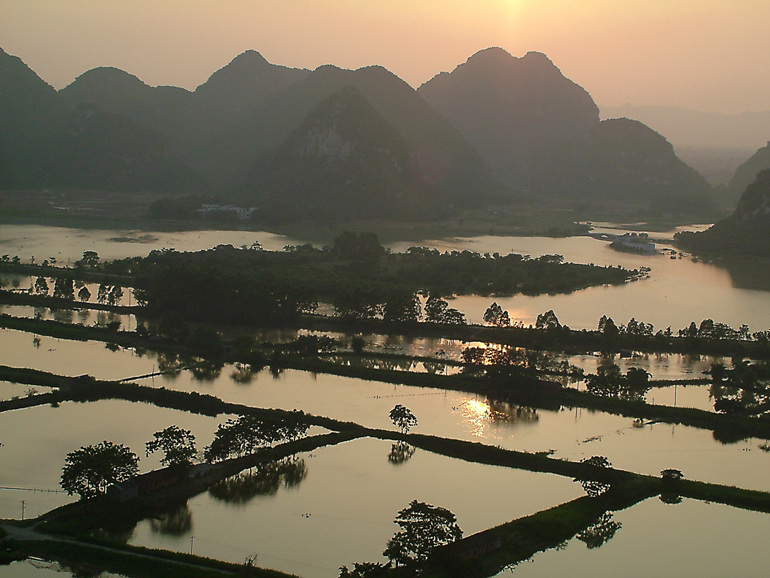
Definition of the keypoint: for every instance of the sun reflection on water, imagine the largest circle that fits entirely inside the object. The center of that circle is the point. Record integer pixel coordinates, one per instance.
(479, 415)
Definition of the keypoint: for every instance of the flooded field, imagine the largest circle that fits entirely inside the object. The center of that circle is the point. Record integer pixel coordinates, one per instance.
(340, 507)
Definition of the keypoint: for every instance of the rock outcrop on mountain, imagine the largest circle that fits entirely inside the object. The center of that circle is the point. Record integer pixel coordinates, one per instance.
(541, 133)
(344, 161)
(744, 233)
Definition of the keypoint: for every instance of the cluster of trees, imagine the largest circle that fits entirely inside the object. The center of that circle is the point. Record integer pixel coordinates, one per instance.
(707, 329)
(609, 381)
(594, 488)
(246, 434)
(355, 273)
(90, 470)
(64, 287)
(397, 307)
(743, 389)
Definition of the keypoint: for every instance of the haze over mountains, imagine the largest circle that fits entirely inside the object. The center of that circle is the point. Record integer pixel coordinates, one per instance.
(304, 144)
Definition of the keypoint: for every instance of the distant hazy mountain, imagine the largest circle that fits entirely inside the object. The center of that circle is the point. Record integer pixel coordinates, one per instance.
(344, 161)
(110, 152)
(163, 109)
(513, 110)
(714, 144)
(495, 117)
(188, 121)
(689, 128)
(31, 115)
(747, 172)
(745, 232)
(236, 88)
(628, 162)
(541, 133)
(442, 155)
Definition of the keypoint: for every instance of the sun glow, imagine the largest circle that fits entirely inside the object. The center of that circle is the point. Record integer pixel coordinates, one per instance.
(477, 415)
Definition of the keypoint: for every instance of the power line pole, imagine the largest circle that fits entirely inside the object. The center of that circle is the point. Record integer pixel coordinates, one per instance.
(192, 538)
(23, 506)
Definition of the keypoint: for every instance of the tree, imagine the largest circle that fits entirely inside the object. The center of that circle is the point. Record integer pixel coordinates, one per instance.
(494, 315)
(610, 382)
(547, 320)
(243, 436)
(115, 295)
(362, 248)
(64, 288)
(89, 260)
(600, 532)
(41, 286)
(423, 528)
(366, 570)
(103, 293)
(437, 310)
(402, 307)
(607, 327)
(177, 444)
(594, 488)
(400, 452)
(91, 469)
(402, 418)
(84, 294)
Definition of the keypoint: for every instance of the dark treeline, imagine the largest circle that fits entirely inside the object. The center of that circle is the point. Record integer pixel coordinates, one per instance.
(355, 274)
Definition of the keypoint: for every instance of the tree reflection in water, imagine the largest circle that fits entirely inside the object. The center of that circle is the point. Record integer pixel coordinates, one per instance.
(63, 315)
(205, 370)
(243, 374)
(433, 367)
(263, 480)
(600, 532)
(480, 414)
(170, 364)
(176, 522)
(400, 452)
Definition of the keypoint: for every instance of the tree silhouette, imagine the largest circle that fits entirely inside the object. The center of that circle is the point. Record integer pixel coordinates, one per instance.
(91, 469)
(423, 528)
(594, 488)
(402, 418)
(177, 445)
(494, 315)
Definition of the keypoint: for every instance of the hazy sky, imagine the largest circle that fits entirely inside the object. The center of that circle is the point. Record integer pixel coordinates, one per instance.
(711, 55)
